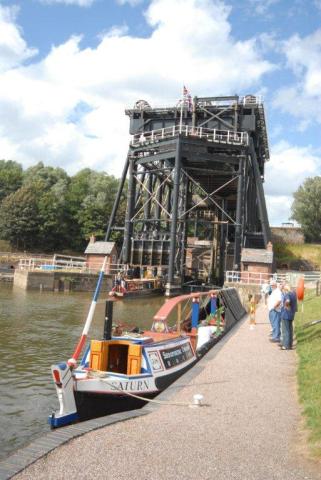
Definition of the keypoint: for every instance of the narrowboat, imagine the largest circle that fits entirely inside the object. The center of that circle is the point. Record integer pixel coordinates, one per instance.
(123, 370)
(137, 287)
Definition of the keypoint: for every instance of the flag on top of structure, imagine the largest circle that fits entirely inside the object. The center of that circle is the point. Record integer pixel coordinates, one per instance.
(187, 98)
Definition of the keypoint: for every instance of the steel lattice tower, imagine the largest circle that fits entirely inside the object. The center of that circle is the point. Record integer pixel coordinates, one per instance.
(195, 174)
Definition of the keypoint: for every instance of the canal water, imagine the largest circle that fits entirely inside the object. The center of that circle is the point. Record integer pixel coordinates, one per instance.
(38, 329)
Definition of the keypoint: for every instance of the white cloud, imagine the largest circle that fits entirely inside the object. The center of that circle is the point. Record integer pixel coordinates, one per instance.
(13, 48)
(41, 101)
(288, 168)
(262, 8)
(79, 3)
(279, 208)
(132, 3)
(303, 98)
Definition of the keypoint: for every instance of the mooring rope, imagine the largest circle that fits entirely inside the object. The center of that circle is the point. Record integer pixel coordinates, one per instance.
(159, 402)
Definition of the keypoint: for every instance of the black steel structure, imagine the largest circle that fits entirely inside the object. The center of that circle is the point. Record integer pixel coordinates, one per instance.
(195, 177)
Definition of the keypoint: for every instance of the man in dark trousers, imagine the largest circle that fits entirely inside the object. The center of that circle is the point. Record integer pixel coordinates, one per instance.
(289, 307)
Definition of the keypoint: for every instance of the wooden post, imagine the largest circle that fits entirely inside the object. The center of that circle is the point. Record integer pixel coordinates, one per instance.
(179, 317)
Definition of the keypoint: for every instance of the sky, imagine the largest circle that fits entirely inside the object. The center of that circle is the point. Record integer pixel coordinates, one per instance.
(69, 68)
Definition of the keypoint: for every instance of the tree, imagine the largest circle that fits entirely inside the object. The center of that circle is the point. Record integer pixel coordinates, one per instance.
(45, 177)
(10, 177)
(52, 211)
(91, 198)
(19, 220)
(54, 218)
(306, 208)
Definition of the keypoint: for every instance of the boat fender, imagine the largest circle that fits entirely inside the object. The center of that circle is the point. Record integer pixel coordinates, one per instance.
(300, 289)
(204, 335)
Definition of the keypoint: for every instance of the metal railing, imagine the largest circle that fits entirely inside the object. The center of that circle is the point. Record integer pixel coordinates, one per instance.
(251, 100)
(212, 135)
(50, 264)
(258, 278)
(68, 265)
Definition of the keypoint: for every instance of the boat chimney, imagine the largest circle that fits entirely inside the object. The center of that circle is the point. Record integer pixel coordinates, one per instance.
(108, 319)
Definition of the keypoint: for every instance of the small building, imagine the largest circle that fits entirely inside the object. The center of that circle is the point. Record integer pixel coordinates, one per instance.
(287, 233)
(257, 261)
(97, 251)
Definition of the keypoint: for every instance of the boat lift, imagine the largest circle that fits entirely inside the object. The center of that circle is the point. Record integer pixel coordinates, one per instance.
(195, 171)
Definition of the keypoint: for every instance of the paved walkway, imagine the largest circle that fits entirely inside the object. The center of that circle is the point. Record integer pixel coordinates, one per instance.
(251, 430)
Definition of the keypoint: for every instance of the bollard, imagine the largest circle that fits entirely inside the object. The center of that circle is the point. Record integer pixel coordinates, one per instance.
(197, 400)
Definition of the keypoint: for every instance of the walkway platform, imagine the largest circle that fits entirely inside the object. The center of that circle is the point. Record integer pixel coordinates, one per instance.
(252, 428)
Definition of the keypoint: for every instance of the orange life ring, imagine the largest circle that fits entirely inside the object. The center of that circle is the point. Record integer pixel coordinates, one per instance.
(300, 289)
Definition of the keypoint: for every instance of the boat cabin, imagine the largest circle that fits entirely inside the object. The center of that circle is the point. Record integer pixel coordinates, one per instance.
(120, 356)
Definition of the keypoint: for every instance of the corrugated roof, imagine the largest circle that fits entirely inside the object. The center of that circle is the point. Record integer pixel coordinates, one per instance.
(102, 248)
(256, 255)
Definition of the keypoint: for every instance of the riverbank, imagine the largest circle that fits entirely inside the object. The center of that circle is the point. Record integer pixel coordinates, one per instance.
(309, 366)
(251, 428)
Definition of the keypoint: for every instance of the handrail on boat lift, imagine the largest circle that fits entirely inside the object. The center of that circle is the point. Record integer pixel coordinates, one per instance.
(166, 309)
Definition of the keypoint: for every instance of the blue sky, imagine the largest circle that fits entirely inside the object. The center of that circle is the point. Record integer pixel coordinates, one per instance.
(69, 68)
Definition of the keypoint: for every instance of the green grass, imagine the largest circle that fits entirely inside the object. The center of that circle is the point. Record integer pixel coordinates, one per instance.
(309, 368)
(293, 256)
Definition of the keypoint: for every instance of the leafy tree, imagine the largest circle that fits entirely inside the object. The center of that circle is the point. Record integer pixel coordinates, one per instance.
(10, 177)
(52, 211)
(54, 218)
(45, 177)
(19, 221)
(92, 196)
(306, 208)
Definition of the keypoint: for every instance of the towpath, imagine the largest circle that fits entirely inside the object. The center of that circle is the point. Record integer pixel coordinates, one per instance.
(251, 430)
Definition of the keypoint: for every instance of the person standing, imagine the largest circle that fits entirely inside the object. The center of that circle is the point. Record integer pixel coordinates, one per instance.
(274, 307)
(289, 307)
(265, 291)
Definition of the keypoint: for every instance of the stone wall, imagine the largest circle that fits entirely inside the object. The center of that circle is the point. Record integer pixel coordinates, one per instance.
(292, 235)
(59, 281)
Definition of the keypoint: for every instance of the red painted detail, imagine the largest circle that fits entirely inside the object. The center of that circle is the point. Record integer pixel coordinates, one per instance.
(119, 290)
(168, 307)
(56, 376)
(79, 347)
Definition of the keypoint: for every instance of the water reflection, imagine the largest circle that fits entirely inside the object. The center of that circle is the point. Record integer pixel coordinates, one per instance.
(36, 330)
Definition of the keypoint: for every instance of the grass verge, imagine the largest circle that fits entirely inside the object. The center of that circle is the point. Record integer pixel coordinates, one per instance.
(296, 256)
(309, 368)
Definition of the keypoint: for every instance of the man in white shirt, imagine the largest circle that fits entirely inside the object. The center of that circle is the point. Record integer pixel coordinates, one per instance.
(274, 307)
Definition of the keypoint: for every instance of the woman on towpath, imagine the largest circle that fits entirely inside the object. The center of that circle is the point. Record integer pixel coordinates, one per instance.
(289, 307)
